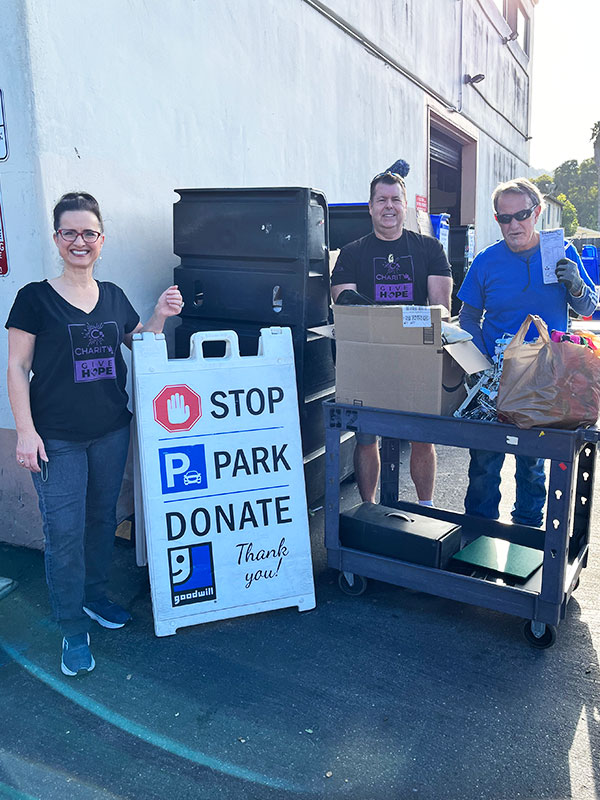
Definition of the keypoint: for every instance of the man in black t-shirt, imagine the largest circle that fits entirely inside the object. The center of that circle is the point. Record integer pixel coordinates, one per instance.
(393, 265)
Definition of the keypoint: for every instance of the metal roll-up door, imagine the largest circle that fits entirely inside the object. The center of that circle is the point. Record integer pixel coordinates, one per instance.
(444, 149)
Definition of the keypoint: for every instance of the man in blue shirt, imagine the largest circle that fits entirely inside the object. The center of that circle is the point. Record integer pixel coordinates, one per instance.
(505, 284)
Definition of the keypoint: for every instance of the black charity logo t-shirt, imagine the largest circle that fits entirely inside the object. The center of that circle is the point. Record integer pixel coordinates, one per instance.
(393, 279)
(93, 348)
(394, 272)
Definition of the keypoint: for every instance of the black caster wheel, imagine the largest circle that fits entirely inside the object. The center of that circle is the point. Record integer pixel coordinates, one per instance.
(544, 640)
(355, 589)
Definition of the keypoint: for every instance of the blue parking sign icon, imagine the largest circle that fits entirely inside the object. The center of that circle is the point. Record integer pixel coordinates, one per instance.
(182, 469)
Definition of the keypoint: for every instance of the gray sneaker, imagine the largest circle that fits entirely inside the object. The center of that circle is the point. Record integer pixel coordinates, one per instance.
(6, 586)
(76, 654)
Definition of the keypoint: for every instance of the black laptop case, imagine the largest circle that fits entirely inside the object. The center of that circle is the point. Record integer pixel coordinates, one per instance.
(399, 534)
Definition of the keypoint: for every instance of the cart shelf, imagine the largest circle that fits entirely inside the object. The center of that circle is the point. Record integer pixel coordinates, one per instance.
(543, 598)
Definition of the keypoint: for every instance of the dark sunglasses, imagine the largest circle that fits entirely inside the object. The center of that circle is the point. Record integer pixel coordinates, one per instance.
(525, 213)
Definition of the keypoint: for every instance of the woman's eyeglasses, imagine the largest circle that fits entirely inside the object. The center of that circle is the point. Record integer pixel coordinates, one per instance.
(70, 235)
(525, 213)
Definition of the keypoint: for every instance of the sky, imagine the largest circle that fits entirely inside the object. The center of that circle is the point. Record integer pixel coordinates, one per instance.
(566, 81)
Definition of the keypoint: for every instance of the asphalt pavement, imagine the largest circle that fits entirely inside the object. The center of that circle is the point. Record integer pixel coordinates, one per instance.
(391, 695)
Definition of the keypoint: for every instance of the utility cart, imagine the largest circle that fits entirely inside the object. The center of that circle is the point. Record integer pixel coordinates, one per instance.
(542, 598)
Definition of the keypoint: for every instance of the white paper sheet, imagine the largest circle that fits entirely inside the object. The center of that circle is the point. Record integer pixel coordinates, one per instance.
(552, 249)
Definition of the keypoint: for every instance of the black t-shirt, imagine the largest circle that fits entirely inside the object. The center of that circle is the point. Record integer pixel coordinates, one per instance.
(78, 386)
(392, 272)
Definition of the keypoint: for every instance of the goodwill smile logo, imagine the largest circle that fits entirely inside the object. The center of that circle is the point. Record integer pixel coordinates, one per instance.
(192, 574)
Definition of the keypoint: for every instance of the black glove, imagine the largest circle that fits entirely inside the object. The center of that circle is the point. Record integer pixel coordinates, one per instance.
(350, 297)
(567, 273)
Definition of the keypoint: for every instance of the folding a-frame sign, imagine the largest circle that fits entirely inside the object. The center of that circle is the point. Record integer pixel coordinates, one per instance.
(222, 479)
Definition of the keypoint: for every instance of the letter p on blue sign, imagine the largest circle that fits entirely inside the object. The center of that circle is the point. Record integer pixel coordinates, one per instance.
(182, 469)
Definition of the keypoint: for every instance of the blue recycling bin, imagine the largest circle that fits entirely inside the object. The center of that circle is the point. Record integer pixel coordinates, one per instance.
(441, 228)
(589, 257)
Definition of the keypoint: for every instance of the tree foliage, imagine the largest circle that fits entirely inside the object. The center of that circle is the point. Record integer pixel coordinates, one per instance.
(596, 143)
(569, 215)
(579, 183)
(545, 183)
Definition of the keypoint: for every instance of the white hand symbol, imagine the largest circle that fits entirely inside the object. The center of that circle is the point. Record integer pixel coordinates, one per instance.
(177, 411)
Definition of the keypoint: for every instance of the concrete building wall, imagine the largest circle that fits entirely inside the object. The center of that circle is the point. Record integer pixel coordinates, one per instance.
(552, 215)
(130, 99)
(439, 41)
(22, 209)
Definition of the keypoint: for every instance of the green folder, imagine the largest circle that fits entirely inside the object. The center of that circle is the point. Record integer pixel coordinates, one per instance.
(501, 556)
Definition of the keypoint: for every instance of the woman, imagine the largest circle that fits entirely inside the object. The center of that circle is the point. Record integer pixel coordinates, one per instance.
(72, 419)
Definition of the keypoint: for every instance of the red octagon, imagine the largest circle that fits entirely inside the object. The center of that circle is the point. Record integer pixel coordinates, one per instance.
(177, 408)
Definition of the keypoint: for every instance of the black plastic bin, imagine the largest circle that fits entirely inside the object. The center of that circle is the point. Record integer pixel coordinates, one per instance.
(347, 222)
(253, 254)
(252, 259)
(460, 257)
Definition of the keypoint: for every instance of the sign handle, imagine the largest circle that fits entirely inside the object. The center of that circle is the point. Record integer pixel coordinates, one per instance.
(232, 344)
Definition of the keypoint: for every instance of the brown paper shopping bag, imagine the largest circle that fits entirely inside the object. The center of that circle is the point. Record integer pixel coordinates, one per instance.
(548, 384)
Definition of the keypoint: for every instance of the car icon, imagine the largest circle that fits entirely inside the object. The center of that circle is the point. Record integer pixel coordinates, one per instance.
(193, 476)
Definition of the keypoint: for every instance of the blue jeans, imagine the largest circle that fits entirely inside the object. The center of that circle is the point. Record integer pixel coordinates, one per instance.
(78, 502)
(483, 495)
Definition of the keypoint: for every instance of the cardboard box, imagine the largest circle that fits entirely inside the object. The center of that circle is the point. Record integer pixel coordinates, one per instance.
(393, 357)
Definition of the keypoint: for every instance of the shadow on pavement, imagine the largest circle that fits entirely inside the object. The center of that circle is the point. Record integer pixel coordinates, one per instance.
(394, 694)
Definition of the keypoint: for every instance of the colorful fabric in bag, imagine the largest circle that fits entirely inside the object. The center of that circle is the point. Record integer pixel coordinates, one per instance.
(548, 384)
(576, 338)
(592, 340)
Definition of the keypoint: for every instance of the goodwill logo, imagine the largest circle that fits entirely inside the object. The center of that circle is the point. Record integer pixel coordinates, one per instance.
(183, 468)
(192, 574)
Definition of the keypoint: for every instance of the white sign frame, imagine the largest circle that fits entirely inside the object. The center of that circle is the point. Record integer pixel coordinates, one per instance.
(4, 153)
(224, 501)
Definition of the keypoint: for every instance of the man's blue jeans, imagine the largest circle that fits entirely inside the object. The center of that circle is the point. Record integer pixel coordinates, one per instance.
(78, 501)
(483, 495)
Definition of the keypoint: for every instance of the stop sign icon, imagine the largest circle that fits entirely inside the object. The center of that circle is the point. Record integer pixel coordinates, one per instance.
(177, 408)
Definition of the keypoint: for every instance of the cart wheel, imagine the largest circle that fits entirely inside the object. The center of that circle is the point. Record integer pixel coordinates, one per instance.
(546, 638)
(354, 589)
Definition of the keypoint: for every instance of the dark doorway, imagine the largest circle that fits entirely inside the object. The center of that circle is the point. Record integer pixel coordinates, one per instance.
(445, 167)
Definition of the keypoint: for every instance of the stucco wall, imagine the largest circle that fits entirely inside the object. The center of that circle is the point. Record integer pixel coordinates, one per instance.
(129, 100)
(425, 38)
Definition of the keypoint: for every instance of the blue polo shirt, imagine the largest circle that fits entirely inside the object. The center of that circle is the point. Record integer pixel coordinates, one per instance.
(508, 286)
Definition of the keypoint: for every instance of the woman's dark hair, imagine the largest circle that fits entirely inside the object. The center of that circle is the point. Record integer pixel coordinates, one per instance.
(76, 201)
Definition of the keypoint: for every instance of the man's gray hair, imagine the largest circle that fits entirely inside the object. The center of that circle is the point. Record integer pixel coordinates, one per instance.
(519, 186)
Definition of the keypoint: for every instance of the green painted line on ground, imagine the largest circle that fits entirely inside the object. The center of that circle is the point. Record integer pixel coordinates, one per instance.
(144, 733)
(8, 793)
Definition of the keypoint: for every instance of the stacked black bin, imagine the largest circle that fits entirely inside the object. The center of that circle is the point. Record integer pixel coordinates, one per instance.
(460, 260)
(251, 259)
(347, 222)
